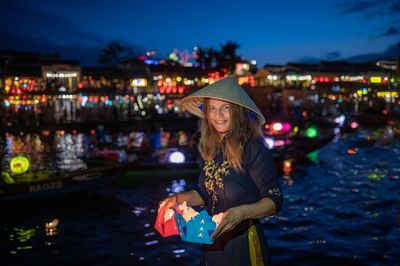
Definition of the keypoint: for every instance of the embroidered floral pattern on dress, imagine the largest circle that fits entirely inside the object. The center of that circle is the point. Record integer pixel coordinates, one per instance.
(213, 179)
(275, 192)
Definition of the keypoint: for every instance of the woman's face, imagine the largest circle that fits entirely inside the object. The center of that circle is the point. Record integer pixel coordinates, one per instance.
(219, 116)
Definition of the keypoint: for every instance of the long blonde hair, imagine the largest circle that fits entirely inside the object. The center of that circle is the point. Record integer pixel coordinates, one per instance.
(241, 130)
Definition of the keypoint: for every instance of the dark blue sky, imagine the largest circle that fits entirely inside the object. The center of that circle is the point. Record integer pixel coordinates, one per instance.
(274, 32)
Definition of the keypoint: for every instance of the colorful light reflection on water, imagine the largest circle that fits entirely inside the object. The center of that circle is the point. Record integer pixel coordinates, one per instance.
(340, 209)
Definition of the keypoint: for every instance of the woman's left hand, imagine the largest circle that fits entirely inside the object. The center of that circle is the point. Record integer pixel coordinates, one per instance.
(230, 219)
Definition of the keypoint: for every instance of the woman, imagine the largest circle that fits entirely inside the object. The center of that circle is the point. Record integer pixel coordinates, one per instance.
(238, 176)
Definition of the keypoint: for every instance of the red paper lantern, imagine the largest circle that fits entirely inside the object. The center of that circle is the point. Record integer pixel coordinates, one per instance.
(166, 227)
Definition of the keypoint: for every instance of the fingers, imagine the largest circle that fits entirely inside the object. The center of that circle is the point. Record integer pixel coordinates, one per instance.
(222, 228)
(169, 203)
(227, 224)
(219, 230)
(215, 234)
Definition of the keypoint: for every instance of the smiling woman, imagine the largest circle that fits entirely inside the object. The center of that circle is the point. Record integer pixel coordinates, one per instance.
(238, 179)
(218, 115)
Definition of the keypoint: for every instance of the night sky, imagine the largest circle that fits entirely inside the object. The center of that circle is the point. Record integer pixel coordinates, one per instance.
(273, 32)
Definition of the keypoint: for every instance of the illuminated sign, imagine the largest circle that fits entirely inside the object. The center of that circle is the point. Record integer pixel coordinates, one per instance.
(298, 77)
(62, 75)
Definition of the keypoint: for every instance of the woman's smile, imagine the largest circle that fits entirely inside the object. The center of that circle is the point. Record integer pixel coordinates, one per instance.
(219, 116)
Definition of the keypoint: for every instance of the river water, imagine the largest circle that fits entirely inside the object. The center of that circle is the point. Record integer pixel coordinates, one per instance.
(339, 209)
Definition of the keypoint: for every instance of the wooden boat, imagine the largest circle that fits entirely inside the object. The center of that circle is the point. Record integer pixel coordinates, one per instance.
(97, 174)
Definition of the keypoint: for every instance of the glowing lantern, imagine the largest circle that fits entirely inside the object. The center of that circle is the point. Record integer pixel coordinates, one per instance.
(351, 151)
(287, 167)
(176, 157)
(19, 164)
(287, 127)
(277, 126)
(354, 125)
(340, 120)
(311, 132)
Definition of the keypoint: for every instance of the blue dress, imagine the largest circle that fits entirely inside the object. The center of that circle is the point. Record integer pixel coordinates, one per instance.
(221, 187)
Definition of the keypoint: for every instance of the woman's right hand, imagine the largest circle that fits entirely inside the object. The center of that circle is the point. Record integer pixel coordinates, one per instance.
(170, 202)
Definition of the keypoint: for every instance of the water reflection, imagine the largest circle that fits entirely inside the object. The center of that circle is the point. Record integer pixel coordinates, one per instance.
(31, 146)
(69, 149)
(51, 227)
(343, 210)
(61, 151)
(46, 155)
(21, 237)
(176, 186)
(313, 156)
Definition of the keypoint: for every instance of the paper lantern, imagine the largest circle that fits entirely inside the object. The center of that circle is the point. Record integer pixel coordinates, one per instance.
(19, 164)
(311, 132)
(165, 222)
(196, 227)
(191, 225)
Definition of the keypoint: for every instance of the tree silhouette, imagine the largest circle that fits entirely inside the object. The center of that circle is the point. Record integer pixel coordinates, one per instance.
(114, 54)
(227, 57)
(207, 58)
(201, 55)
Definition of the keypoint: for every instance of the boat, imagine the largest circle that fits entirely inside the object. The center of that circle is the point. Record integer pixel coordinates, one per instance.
(43, 185)
(287, 143)
(164, 162)
(290, 144)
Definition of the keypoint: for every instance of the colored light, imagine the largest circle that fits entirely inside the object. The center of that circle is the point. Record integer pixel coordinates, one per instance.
(375, 79)
(287, 167)
(311, 132)
(279, 143)
(287, 126)
(176, 157)
(140, 82)
(277, 126)
(151, 62)
(19, 164)
(340, 120)
(270, 142)
(354, 125)
(351, 151)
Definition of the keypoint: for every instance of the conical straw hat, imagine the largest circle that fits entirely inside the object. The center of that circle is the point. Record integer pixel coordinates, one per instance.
(224, 89)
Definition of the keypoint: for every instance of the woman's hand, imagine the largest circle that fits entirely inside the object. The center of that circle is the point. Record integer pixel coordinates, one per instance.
(170, 202)
(230, 219)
